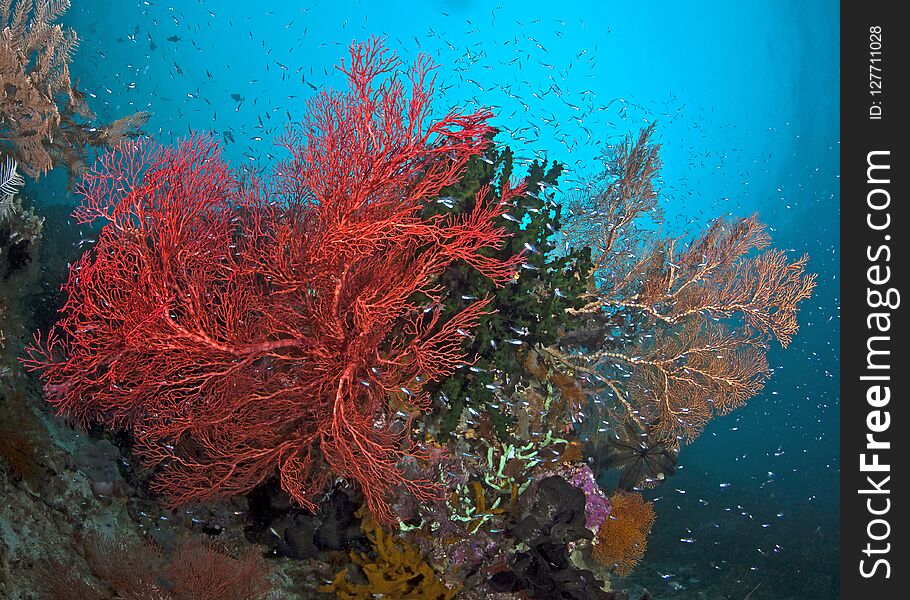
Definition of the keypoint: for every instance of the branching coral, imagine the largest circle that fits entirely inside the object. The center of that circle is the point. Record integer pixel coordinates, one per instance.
(674, 333)
(196, 570)
(713, 277)
(42, 114)
(507, 473)
(604, 216)
(236, 331)
(683, 378)
(623, 538)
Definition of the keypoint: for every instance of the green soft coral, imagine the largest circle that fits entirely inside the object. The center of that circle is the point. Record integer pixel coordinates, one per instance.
(529, 312)
(398, 572)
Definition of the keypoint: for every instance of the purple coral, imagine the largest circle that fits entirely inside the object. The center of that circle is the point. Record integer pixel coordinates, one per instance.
(597, 505)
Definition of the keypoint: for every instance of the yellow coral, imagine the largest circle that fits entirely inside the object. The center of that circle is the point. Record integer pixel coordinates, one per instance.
(623, 537)
(399, 572)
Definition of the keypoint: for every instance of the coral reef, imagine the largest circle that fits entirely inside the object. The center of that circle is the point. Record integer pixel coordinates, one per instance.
(44, 119)
(385, 363)
(530, 311)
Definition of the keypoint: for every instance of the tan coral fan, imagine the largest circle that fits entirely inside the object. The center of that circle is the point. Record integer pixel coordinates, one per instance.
(623, 537)
(40, 108)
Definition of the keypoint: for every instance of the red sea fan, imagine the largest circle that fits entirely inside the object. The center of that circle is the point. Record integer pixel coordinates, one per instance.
(239, 327)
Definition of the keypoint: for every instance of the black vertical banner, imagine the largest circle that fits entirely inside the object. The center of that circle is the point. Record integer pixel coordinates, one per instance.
(875, 430)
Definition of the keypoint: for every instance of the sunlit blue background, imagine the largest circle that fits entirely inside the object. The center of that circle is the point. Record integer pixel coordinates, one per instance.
(746, 96)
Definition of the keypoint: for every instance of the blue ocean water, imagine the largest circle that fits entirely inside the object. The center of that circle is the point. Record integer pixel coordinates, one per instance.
(746, 99)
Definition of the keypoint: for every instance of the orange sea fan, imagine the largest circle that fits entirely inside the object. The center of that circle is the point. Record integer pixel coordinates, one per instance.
(623, 537)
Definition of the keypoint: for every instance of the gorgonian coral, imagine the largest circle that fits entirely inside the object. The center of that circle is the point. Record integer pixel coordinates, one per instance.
(242, 328)
(623, 538)
(674, 333)
(42, 114)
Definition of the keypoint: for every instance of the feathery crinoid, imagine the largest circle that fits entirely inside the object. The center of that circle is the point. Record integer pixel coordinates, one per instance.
(644, 459)
(10, 181)
(43, 117)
